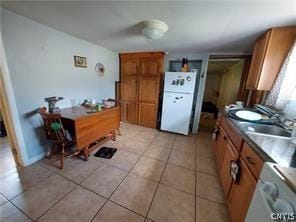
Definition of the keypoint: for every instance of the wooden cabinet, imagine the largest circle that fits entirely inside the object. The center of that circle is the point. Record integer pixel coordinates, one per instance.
(232, 133)
(230, 146)
(148, 90)
(147, 115)
(129, 90)
(220, 146)
(270, 51)
(252, 160)
(224, 170)
(149, 66)
(141, 75)
(128, 66)
(129, 112)
(241, 194)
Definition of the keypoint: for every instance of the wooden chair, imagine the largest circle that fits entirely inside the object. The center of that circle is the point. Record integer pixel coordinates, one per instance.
(55, 131)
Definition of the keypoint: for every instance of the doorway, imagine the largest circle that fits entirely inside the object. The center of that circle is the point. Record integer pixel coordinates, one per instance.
(225, 84)
(7, 161)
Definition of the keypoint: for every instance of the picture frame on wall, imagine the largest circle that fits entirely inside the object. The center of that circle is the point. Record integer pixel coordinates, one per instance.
(80, 61)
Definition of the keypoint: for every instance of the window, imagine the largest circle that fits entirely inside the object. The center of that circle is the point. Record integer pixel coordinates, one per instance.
(283, 91)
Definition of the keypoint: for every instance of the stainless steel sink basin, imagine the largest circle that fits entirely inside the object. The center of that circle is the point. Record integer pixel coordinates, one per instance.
(267, 130)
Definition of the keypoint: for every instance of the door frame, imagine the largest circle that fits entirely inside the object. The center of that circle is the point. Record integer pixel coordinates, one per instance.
(10, 113)
(242, 92)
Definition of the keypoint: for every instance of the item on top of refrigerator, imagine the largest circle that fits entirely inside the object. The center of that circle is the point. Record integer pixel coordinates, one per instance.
(185, 66)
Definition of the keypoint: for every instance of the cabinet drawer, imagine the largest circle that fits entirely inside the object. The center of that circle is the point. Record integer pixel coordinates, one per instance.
(253, 161)
(232, 133)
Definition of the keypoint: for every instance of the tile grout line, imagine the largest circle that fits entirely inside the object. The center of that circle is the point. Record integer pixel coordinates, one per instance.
(210, 200)
(207, 173)
(56, 202)
(109, 199)
(76, 185)
(48, 208)
(79, 184)
(53, 173)
(19, 210)
(9, 199)
(149, 208)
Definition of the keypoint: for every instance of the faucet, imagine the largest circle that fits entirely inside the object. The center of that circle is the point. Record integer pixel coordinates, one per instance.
(283, 122)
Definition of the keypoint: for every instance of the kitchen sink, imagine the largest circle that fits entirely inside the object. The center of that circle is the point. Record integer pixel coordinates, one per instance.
(267, 130)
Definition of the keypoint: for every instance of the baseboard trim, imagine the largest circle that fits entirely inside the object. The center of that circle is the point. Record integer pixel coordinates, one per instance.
(35, 159)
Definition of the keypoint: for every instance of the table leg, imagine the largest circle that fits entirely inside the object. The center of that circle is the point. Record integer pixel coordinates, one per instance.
(85, 153)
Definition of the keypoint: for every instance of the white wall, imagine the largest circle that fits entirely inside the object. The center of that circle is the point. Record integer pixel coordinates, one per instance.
(40, 62)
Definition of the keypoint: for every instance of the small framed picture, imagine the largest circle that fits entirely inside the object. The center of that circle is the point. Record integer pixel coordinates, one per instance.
(194, 70)
(80, 61)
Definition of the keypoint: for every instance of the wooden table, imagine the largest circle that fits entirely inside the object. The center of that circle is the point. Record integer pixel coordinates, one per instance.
(90, 129)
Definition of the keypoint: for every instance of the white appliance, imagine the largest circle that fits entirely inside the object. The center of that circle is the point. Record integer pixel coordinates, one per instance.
(273, 198)
(177, 101)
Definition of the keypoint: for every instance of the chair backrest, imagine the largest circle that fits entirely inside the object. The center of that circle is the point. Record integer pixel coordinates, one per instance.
(53, 125)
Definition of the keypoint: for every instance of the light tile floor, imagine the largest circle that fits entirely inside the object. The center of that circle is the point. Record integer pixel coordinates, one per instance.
(7, 163)
(153, 177)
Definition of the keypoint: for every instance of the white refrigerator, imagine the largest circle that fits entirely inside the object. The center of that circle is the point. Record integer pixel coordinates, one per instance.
(177, 101)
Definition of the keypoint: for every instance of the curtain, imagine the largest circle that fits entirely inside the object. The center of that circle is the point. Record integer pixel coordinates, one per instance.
(284, 88)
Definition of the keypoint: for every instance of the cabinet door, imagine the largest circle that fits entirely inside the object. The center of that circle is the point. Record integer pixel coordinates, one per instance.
(220, 146)
(128, 66)
(128, 89)
(257, 61)
(147, 115)
(241, 194)
(129, 112)
(148, 90)
(224, 170)
(150, 66)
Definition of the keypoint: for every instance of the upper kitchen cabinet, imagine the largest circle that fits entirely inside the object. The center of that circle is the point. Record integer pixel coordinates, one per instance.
(140, 76)
(269, 54)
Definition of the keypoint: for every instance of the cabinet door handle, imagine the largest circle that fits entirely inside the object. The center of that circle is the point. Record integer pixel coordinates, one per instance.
(250, 161)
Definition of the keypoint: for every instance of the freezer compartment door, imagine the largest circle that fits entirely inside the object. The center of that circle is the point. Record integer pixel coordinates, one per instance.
(176, 112)
(181, 82)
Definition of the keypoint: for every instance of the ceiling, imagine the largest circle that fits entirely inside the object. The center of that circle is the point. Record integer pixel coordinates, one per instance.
(199, 26)
(219, 67)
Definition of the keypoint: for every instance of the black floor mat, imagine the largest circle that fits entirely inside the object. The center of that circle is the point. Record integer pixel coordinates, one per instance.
(105, 152)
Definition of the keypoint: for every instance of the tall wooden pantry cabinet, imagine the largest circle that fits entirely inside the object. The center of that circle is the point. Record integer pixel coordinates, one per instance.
(140, 76)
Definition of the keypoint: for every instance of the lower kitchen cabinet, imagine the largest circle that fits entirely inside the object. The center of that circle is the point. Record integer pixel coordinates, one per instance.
(230, 146)
(220, 146)
(224, 171)
(241, 194)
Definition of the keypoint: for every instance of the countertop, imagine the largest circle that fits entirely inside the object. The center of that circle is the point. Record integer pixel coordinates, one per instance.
(289, 175)
(82, 111)
(270, 149)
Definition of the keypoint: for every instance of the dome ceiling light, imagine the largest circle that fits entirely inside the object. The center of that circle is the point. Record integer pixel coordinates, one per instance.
(153, 29)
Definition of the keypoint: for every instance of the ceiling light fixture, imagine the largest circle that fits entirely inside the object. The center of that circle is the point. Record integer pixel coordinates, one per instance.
(153, 29)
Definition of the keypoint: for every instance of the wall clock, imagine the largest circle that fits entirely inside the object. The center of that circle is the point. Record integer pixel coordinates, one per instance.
(100, 69)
